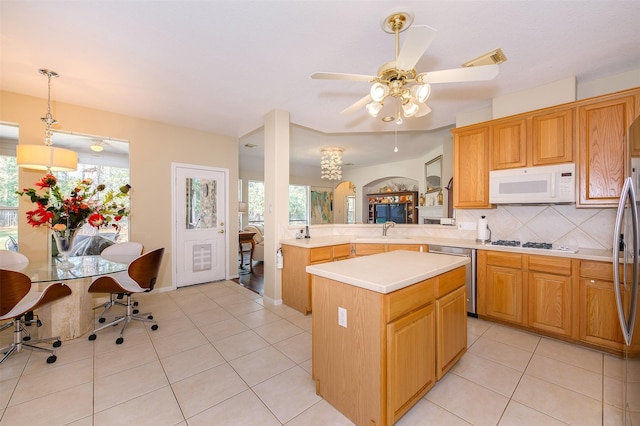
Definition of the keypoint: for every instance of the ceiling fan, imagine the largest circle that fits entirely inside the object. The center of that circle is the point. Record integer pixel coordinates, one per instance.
(398, 79)
(97, 145)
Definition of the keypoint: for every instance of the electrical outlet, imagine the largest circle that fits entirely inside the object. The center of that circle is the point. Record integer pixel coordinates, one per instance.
(342, 317)
(467, 226)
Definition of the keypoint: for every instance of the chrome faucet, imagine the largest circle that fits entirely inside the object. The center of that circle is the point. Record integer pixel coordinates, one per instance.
(388, 224)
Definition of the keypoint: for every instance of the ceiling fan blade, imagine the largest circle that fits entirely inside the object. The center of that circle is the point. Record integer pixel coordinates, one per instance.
(418, 38)
(456, 75)
(357, 105)
(423, 109)
(341, 76)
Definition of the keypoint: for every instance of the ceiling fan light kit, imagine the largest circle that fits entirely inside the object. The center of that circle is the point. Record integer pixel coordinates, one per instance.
(374, 108)
(398, 78)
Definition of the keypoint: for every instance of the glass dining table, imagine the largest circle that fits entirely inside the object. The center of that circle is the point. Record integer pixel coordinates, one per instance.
(83, 267)
(72, 316)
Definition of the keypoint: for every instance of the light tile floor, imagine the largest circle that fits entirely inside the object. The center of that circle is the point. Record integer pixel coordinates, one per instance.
(220, 357)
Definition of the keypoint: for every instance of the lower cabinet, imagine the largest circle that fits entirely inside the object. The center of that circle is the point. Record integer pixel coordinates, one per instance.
(560, 297)
(550, 303)
(550, 284)
(500, 286)
(598, 316)
(451, 329)
(296, 283)
(393, 347)
(410, 366)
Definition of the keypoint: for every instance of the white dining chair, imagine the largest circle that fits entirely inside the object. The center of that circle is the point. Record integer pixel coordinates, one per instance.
(13, 258)
(117, 253)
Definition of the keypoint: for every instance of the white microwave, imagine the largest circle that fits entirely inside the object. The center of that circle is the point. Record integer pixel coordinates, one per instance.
(534, 185)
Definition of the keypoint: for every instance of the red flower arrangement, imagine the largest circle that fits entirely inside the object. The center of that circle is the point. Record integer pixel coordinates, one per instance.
(60, 214)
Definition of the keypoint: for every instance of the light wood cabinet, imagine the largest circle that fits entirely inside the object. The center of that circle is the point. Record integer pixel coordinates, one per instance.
(533, 139)
(598, 316)
(552, 139)
(411, 360)
(508, 142)
(590, 132)
(383, 362)
(532, 291)
(451, 329)
(471, 167)
(560, 297)
(550, 294)
(296, 283)
(602, 139)
(500, 286)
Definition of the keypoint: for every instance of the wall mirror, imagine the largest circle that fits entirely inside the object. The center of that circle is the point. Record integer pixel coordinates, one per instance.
(433, 174)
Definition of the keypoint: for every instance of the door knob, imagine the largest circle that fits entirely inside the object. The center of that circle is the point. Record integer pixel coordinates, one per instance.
(221, 231)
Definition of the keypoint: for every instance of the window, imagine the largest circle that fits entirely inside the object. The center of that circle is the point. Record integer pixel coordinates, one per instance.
(255, 200)
(112, 177)
(8, 203)
(298, 203)
(351, 208)
(239, 201)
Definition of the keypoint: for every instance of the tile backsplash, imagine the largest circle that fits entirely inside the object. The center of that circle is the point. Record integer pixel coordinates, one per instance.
(561, 224)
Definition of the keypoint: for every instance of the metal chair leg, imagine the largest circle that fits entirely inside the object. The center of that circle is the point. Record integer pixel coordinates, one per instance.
(18, 343)
(126, 319)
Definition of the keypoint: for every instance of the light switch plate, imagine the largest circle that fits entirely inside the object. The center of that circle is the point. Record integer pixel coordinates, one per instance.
(342, 317)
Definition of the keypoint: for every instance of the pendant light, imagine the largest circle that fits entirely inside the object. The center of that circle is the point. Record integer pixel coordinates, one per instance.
(46, 157)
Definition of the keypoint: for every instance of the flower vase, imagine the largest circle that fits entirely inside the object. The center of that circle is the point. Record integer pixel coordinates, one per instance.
(64, 242)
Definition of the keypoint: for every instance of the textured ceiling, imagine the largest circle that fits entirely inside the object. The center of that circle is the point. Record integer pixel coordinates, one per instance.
(221, 66)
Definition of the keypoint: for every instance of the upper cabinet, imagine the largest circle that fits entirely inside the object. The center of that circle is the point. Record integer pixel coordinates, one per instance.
(552, 137)
(508, 144)
(602, 140)
(536, 139)
(592, 133)
(471, 168)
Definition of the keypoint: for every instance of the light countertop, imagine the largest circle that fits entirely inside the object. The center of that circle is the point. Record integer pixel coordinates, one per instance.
(390, 271)
(584, 254)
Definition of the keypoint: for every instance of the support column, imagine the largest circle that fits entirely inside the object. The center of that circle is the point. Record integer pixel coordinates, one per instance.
(276, 194)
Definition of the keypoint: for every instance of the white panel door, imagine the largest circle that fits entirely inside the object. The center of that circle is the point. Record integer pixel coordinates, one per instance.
(200, 229)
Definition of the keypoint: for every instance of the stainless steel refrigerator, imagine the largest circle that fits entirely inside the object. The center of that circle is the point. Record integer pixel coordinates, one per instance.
(626, 249)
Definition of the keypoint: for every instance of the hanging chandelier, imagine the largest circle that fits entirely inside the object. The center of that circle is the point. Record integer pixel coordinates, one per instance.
(331, 163)
(46, 157)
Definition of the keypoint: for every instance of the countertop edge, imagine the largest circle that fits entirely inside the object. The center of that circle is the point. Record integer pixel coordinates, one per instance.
(368, 272)
(314, 242)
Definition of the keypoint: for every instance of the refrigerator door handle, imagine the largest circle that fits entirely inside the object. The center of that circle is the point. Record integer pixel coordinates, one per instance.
(626, 324)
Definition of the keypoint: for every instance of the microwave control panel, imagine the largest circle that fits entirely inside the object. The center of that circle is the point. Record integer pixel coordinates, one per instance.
(565, 183)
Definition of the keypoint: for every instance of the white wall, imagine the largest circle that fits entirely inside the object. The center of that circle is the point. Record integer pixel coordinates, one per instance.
(553, 93)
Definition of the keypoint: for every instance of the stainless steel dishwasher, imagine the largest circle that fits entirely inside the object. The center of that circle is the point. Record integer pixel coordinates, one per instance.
(472, 304)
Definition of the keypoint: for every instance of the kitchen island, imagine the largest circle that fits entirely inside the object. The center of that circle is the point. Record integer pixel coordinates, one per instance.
(385, 327)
